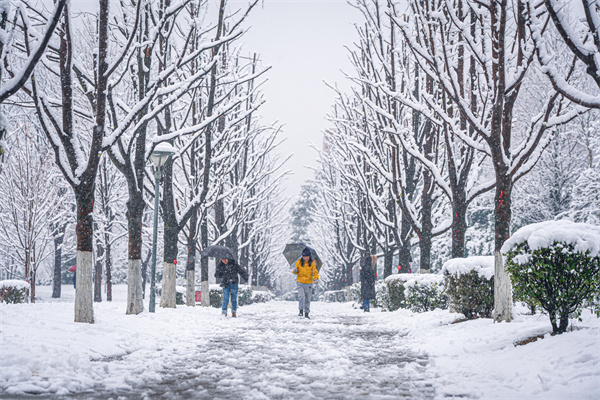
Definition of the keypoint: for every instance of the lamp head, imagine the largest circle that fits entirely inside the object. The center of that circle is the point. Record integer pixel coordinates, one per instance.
(161, 153)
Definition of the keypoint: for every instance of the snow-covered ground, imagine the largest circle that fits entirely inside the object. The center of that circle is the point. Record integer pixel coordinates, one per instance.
(269, 352)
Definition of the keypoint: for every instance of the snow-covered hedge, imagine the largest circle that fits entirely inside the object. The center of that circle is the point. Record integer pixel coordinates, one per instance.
(381, 295)
(245, 296)
(261, 296)
(13, 291)
(556, 264)
(417, 292)
(469, 284)
(179, 295)
(334, 296)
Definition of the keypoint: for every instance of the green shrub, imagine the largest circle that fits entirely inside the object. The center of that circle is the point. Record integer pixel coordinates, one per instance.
(355, 292)
(216, 297)
(381, 295)
(471, 294)
(244, 295)
(396, 295)
(262, 296)
(13, 291)
(334, 296)
(469, 284)
(416, 292)
(291, 296)
(558, 278)
(425, 295)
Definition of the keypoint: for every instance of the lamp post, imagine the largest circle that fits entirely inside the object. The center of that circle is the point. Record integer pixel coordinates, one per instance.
(161, 154)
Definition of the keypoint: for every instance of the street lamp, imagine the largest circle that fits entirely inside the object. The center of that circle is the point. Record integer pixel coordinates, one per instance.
(161, 154)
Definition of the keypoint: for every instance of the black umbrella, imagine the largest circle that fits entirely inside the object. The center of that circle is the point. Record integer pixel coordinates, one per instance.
(293, 251)
(219, 252)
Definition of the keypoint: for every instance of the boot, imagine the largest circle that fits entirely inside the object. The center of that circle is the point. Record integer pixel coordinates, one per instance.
(224, 313)
(301, 313)
(234, 314)
(306, 315)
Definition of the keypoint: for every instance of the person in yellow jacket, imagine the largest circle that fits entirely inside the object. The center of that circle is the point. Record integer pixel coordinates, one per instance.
(306, 269)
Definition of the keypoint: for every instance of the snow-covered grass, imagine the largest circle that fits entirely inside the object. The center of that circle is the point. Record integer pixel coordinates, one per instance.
(43, 351)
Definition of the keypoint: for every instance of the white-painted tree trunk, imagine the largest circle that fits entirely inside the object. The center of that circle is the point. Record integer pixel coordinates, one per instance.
(190, 292)
(168, 293)
(502, 291)
(84, 293)
(205, 289)
(135, 301)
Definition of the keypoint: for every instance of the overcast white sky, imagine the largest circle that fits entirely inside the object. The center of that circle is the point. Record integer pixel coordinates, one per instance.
(303, 41)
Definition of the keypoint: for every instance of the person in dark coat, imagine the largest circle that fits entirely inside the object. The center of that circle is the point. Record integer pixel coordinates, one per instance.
(368, 276)
(227, 272)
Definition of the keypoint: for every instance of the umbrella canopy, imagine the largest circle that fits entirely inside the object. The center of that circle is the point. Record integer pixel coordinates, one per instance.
(218, 252)
(293, 251)
(73, 268)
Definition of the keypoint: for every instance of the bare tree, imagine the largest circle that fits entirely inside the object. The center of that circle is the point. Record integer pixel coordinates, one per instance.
(29, 199)
(13, 76)
(578, 25)
(77, 156)
(502, 53)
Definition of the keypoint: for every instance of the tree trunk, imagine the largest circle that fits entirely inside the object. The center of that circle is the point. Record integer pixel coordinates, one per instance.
(108, 267)
(459, 226)
(84, 307)
(404, 257)
(171, 234)
(135, 213)
(502, 284)
(427, 227)
(388, 262)
(190, 293)
(145, 272)
(204, 286)
(168, 292)
(57, 279)
(135, 304)
(98, 273)
(32, 283)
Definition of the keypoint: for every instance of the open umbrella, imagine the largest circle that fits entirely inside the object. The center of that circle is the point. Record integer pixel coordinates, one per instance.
(218, 252)
(293, 251)
(73, 268)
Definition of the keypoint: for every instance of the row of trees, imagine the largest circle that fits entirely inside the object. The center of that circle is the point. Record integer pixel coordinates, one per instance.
(452, 104)
(113, 85)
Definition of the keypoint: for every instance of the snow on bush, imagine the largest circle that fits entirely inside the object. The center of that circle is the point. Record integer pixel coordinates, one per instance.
(13, 291)
(417, 292)
(556, 265)
(260, 296)
(381, 295)
(334, 296)
(245, 295)
(584, 237)
(483, 265)
(469, 283)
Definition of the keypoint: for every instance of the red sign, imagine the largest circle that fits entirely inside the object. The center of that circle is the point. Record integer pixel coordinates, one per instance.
(198, 296)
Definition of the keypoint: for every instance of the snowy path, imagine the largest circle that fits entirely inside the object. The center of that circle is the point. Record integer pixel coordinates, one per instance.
(270, 353)
(266, 353)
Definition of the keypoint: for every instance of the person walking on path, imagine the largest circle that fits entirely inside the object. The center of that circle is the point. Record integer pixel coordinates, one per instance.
(306, 269)
(227, 272)
(368, 276)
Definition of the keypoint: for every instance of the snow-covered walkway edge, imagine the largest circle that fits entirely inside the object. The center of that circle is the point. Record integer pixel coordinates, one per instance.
(43, 351)
(480, 358)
